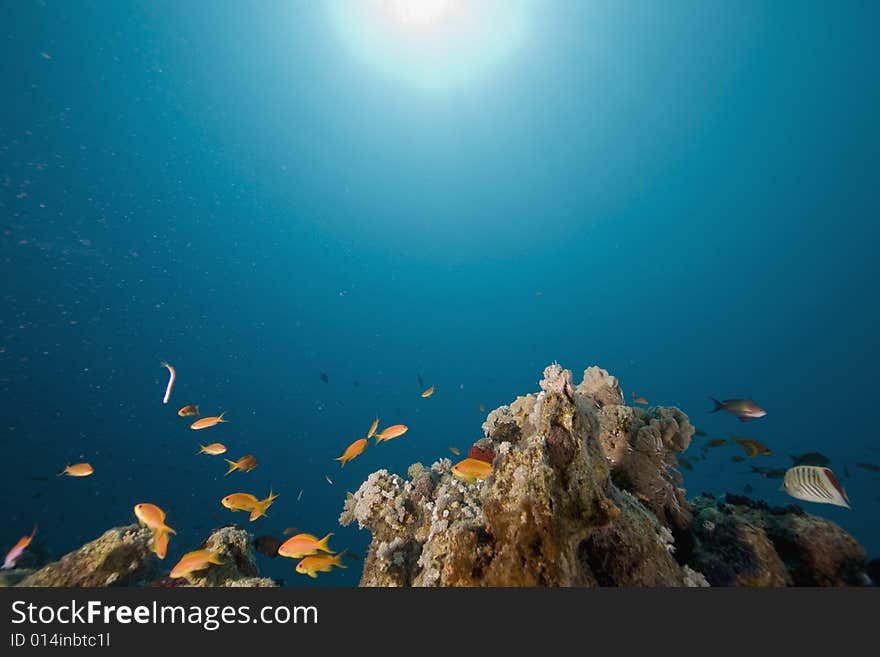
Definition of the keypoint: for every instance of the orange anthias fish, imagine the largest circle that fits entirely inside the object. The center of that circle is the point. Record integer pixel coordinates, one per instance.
(455, 450)
(153, 518)
(391, 432)
(482, 408)
(194, 561)
(206, 422)
(248, 502)
(245, 464)
(470, 470)
(77, 470)
(304, 545)
(214, 449)
(319, 563)
(373, 428)
(352, 451)
(428, 392)
(13, 555)
(187, 411)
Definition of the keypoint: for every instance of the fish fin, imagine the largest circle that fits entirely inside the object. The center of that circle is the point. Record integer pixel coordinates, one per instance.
(312, 574)
(322, 544)
(718, 405)
(744, 419)
(233, 466)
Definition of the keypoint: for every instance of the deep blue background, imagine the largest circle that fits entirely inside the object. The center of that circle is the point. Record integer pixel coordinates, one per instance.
(692, 187)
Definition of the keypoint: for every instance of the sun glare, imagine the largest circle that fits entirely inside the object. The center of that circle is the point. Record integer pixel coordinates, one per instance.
(434, 45)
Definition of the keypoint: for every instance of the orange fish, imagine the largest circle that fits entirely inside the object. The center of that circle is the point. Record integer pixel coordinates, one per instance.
(214, 449)
(77, 470)
(153, 518)
(186, 411)
(206, 422)
(455, 451)
(13, 555)
(352, 451)
(470, 470)
(753, 447)
(391, 432)
(640, 400)
(482, 409)
(319, 563)
(160, 544)
(428, 392)
(194, 561)
(373, 427)
(303, 545)
(248, 502)
(245, 464)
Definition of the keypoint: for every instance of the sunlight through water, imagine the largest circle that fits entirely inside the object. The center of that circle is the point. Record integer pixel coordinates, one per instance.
(433, 45)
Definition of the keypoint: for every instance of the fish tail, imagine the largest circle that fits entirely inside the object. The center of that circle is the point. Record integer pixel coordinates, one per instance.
(215, 558)
(63, 471)
(220, 417)
(718, 405)
(322, 544)
(201, 449)
(337, 560)
(233, 466)
(196, 409)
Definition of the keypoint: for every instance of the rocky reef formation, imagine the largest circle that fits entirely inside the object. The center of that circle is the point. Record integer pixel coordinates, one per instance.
(584, 491)
(119, 557)
(122, 556)
(737, 541)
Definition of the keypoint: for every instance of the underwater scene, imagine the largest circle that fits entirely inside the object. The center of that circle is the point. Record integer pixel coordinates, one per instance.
(439, 293)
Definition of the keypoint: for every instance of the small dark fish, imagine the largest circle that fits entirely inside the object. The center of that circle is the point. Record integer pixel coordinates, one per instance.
(811, 458)
(870, 467)
(324, 377)
(737, 458)
(748, 488)
(744, 409)
(289, 530)
(769, 473)
(753, 447)
(419, 377)
(700, 432)
(846, 472)
(351, 555)
(267, 545)
(683, 462)
(717, 442)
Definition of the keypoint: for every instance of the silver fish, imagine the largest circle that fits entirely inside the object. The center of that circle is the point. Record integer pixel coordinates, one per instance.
(812, 483)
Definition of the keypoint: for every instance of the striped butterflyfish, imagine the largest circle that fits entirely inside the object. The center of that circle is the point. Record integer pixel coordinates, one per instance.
(813, 483)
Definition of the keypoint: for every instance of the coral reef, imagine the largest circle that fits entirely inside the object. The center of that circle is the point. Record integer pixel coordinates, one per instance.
(239, 567)
(584, 491)
(119, 557)
(741, 542)
(122, 556)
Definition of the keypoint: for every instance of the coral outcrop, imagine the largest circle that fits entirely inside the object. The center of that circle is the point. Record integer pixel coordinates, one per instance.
(122, 557)
(584, 491)
(741, 542)
(239, 567)
(119, 557)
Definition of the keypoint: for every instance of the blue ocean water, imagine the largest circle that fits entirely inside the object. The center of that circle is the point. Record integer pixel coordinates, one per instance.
(690, 186)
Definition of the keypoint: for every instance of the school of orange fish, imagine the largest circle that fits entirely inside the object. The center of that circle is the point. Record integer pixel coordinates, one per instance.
(314, 555)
